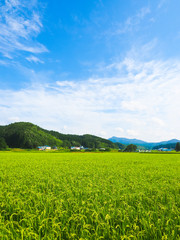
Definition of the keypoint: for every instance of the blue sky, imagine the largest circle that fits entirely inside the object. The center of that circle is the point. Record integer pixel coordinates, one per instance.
(109, 68)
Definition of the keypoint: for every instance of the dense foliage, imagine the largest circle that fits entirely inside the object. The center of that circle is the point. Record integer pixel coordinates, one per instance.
(89, 196)
(3, 144)
(87, 140)
(177, 147)
(131, 148)
(28, 135)
(169, 146)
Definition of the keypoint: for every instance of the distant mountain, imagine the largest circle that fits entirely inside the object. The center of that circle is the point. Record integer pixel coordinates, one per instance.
(28, 135)
(148, 145)
(127, 141)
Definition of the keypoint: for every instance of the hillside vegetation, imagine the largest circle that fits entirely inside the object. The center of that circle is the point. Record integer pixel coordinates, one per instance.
(28, 135)
(169, 146)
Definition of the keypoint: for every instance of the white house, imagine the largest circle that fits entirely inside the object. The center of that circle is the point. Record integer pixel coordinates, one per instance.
(75, 148)
(42, 148)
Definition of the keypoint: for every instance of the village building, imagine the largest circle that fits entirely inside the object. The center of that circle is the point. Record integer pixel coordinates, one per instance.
(43, 148)
(77, 148)
(164, 150)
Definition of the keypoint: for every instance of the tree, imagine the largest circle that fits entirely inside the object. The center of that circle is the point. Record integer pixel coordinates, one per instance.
(177, 147)
(130, 148)
(3, 144)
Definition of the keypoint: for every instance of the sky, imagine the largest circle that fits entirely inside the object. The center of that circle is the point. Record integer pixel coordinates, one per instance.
(103, 67)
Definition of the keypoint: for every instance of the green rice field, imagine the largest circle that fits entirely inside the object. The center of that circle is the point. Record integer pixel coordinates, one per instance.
(89, 196)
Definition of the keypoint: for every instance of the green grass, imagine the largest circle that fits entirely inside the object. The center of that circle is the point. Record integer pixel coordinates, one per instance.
(89, 196)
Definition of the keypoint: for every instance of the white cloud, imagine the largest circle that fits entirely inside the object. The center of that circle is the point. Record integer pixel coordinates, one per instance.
(103, 133)
(141, 102)
(119, 130)
(19, 25)
(133, 105)
(66, 84)
(132, 133)
(14, 119)
(34, 59)
(160, 122)
(143, 12)
(2, 62)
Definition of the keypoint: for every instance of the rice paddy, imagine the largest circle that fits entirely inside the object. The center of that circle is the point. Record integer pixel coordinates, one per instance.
(89, 196)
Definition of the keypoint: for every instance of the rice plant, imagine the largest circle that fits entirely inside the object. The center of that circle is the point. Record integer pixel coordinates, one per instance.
(89, 196)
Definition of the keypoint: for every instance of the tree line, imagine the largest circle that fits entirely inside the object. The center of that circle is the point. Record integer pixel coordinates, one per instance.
(27, 135)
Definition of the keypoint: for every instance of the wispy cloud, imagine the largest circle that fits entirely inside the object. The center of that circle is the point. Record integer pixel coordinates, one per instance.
(131, 22)
(162, 3)
(34, 59)
(143, 12)
(20, 23)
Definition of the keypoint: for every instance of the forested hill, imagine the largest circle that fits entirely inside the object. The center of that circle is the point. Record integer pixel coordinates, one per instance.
(86, 140)
(28, 135)
(169, 146)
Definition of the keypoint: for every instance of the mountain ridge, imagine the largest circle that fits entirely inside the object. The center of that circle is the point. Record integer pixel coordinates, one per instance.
(149, 145)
